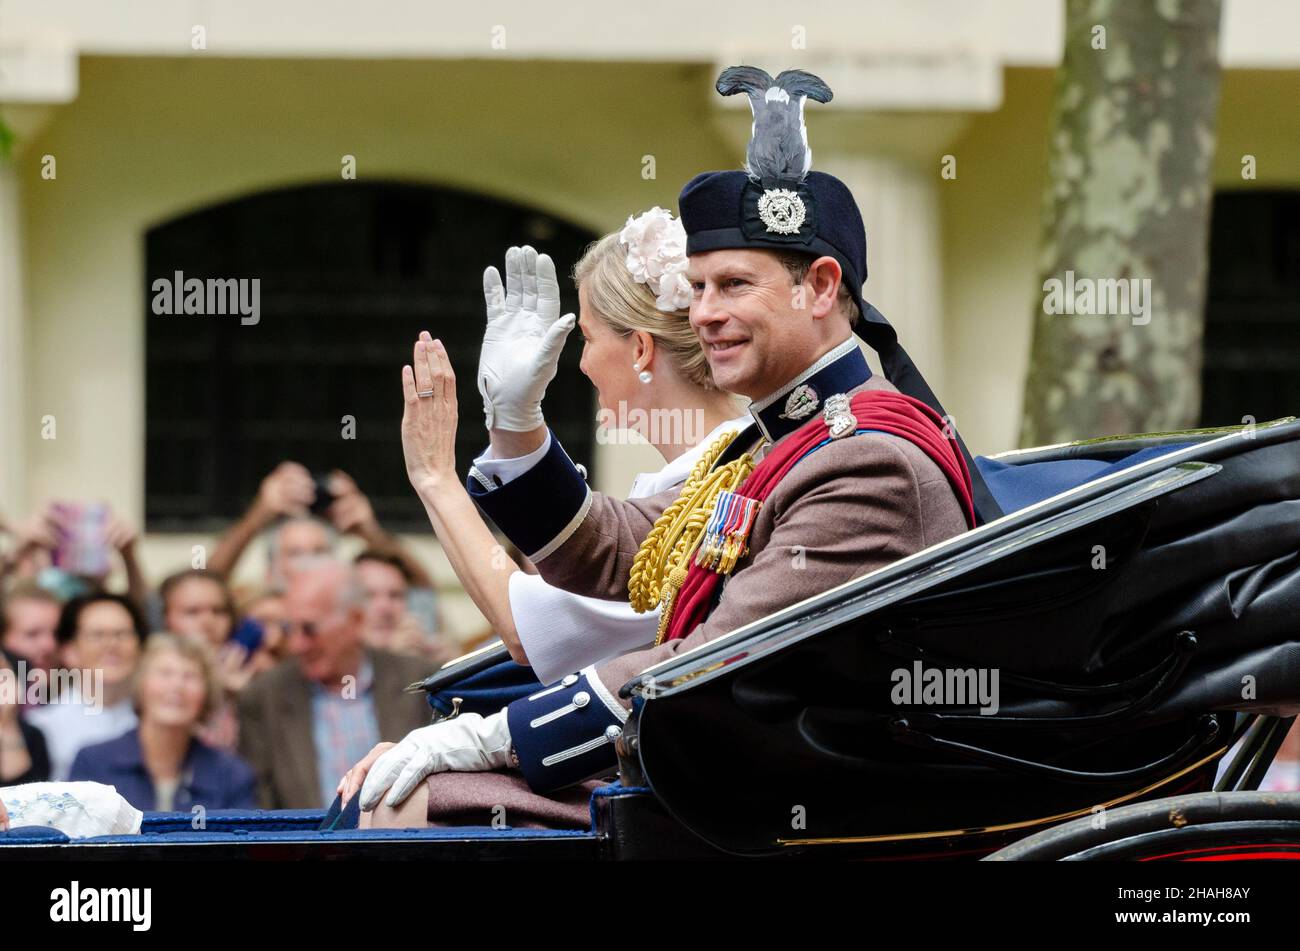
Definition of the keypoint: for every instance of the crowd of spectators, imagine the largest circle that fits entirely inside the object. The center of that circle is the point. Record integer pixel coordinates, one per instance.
(200, 692)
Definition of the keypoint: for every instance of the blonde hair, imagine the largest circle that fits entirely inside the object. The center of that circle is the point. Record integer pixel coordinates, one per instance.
(189, 649)
(627, 305)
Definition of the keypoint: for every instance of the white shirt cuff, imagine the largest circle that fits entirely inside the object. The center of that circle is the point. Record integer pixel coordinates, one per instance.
(488, 468)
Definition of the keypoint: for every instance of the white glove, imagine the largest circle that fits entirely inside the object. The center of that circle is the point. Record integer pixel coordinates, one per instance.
(521, 346)
(466, 743)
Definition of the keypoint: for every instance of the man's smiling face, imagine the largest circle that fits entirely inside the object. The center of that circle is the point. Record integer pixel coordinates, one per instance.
(743, 309)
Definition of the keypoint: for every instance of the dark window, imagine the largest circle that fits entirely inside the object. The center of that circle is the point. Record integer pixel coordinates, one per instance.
(1252, 312)
(350, 273)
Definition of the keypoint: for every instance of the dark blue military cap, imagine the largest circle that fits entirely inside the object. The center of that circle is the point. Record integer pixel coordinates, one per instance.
(815, 216)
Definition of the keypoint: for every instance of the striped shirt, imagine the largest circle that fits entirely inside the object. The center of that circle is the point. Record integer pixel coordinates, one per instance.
(344, 727)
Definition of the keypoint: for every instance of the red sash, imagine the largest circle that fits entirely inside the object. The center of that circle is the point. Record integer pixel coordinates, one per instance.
(893, 413)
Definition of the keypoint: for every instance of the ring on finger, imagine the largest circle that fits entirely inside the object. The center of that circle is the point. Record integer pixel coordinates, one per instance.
(424, 393)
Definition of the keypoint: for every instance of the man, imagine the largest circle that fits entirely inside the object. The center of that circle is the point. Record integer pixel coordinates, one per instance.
(284, 504)
(776, 262)
(306, 720)
(197, 603)
(28, 623)
(101, 636)
(389, 621)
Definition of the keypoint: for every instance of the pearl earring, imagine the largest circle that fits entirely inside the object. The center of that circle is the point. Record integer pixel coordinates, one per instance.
(645, 376)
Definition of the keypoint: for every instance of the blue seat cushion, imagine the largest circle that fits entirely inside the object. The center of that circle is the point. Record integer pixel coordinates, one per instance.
(1015, 487)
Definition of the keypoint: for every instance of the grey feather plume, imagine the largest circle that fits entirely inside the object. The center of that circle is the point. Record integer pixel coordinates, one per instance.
(778, 141)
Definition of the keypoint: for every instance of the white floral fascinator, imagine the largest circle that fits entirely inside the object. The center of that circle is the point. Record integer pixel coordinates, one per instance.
(656, 255)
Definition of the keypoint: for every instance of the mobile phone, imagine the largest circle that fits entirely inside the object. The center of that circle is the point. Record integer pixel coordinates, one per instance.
(324, 495)
(249, 635)
(82, 547)
(422, 604)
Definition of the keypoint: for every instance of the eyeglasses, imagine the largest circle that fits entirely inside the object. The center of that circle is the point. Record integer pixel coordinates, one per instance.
(100, 636)
(309, 629)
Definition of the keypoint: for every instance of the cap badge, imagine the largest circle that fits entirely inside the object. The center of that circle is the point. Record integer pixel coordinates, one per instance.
(801, 402)
(782, 210)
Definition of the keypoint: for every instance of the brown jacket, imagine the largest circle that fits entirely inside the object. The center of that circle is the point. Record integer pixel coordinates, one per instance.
(851, 507)
(275, 733)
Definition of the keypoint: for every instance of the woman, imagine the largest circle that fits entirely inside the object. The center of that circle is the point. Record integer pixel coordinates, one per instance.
(645, 361)
(161, 764)
(641, 354)
(23, 755)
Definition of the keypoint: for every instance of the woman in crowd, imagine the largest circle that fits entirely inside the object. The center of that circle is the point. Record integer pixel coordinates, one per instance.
(23, 756)
(161, 764)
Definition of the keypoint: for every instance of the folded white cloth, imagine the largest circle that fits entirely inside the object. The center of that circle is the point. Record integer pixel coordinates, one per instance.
(78, 810)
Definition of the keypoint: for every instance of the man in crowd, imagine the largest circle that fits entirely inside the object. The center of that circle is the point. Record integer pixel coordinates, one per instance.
(28, 621)
(389, 621)
(100, 636)
(304, 722)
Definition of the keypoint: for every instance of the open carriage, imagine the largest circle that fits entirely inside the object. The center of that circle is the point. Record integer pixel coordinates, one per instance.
(1135, 615)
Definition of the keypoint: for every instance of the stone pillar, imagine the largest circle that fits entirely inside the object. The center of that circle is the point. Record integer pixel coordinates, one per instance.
(899, 201)
(34, 75)
(13, 416)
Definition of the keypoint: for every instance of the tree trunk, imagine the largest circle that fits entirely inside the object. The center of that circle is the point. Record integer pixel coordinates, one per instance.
(1126, 209)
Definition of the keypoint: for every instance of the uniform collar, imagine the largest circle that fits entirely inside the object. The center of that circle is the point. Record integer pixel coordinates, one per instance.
(837, 371)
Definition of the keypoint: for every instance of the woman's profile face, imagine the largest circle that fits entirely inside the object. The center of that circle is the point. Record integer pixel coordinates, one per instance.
(607, 360)
(172, 690)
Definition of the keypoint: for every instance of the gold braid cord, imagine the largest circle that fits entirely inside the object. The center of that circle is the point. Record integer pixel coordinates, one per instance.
(660, 566)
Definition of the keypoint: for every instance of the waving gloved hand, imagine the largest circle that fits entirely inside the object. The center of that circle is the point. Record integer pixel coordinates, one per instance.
(466, 743)
(522, 344)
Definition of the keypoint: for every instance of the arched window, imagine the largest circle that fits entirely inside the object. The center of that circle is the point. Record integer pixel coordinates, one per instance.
(1252, 308)
(348, 274)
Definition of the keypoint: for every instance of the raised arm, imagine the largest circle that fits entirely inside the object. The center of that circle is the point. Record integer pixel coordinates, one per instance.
(287, 490)
(429, 444)
(594, 563)
(352, 514)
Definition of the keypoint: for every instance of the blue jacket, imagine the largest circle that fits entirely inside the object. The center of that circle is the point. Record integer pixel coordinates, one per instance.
(210, 777)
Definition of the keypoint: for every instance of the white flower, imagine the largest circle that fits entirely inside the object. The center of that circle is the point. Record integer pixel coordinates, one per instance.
(656, 256)
(674, 291)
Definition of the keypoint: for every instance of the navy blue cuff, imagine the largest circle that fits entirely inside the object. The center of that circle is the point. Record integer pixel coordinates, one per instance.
(564, 734)
(540, 509)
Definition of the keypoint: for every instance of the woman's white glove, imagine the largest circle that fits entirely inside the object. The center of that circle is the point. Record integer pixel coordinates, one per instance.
(466, 743)
(521, 346)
